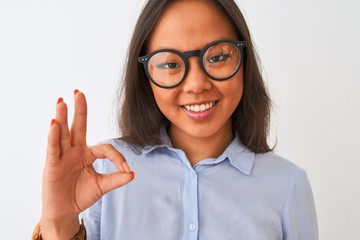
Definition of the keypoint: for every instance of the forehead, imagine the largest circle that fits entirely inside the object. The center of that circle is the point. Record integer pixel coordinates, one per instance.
(189, 25)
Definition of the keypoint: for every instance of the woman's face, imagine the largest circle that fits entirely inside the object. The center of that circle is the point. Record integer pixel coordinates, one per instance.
(186, 26)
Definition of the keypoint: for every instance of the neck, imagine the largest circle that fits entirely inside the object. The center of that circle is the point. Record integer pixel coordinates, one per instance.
(200, 148)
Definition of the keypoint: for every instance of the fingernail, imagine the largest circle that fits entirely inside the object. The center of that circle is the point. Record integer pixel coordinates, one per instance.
(53, 121)
(75, 91)
(126, 167)
(60, 100)
(134, 175)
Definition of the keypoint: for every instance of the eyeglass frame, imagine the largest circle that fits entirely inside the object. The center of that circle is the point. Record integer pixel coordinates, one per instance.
(200, 53)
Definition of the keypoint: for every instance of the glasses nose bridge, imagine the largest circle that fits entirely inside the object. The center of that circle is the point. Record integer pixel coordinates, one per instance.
(193, 53)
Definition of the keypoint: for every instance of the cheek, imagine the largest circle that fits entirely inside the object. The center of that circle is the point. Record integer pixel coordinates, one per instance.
(237, 89)
(232, 89)
(165, 99)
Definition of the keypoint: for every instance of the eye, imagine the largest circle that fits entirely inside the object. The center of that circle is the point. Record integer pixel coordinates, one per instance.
(170, 65)
(219, 58)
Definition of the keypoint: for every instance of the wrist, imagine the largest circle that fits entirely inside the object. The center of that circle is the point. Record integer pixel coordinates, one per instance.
(60, 229)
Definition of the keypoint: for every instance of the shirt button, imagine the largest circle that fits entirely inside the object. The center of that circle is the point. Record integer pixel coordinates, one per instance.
(192, 227)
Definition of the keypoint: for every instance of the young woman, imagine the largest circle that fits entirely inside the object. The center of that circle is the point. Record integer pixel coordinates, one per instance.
(194, 123)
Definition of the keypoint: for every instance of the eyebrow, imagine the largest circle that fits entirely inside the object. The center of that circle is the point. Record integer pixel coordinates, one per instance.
(188, 50)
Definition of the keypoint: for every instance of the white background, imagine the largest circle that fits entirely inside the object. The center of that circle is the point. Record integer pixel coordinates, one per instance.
(310, 53)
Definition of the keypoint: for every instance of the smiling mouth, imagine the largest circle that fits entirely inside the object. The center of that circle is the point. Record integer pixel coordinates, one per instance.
(200, 107)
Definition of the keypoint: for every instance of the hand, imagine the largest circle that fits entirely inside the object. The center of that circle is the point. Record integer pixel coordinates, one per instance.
(70, 183)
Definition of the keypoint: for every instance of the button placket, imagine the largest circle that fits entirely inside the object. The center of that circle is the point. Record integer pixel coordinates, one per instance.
(190, 201)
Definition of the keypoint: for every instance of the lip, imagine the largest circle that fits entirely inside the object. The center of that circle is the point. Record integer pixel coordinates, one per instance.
(200, 115)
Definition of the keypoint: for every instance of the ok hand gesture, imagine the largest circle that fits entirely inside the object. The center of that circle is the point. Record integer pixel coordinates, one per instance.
(70, 183)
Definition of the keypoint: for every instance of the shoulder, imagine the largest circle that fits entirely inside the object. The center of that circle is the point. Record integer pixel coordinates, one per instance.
(280, 179)
(278, 171)
(272, 163)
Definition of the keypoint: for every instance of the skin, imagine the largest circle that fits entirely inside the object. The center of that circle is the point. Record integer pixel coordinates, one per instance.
(203, 24)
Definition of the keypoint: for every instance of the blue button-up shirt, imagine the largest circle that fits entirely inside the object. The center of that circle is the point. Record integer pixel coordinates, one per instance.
(239, 196)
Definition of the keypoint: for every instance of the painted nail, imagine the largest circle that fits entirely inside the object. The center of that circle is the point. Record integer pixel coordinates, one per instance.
(75, 91)
(53, 121)
(134, 175)
(60, 100)
(126, 167)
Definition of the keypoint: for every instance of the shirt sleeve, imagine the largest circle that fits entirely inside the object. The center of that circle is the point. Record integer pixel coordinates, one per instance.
(92, 215)
(300, 220)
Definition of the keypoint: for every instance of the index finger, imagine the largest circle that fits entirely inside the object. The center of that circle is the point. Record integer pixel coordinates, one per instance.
(109, 152)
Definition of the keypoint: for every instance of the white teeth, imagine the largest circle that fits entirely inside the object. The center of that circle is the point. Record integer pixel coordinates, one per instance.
(199, 108)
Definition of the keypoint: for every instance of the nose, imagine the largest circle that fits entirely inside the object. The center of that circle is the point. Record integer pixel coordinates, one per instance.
(195, 81)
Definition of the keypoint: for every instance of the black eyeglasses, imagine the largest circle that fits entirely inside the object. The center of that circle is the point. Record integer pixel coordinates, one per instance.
(220, 60)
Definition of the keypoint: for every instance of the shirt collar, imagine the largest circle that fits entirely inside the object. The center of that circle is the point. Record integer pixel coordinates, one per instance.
(164, 139)
(238, 155)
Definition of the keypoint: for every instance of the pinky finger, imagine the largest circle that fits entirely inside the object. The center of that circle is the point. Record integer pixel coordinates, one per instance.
(53, 145)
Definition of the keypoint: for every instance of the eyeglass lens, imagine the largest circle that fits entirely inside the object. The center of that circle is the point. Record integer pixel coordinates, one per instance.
(219, 61)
